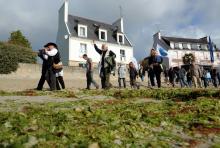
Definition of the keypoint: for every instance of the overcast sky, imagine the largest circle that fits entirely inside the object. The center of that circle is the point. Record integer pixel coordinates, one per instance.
(37, 19)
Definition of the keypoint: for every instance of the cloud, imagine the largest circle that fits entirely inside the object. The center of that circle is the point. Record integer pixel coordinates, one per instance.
(183, 18)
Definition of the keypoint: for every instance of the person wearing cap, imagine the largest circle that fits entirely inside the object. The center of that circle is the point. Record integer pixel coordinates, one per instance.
(107, 64)
(50, 54)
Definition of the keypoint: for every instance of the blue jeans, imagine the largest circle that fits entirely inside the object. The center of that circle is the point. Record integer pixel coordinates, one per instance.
(183, 82)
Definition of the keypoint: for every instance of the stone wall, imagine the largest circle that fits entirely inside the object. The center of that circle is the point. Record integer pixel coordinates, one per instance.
(28, 75)
(33, 71)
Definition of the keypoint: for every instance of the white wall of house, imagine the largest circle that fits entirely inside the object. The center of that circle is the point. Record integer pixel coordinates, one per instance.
(172, 45)
(70, 48)
(75, 54)
(202, 57)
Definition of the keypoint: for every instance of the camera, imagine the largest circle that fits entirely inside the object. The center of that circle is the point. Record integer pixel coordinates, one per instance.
(41, 52)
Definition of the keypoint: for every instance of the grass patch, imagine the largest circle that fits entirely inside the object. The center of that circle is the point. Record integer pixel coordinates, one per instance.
(160, 94)
(111, 123)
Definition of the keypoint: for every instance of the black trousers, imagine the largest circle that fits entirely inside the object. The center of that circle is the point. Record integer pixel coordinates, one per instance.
(205, 82)
(215, 81)
(171, 80)
(60, 81)
(123, 80)
(105, 78)
(105, 81)
(42, 79)
(157, 74)
(133, 83)
(51, 76)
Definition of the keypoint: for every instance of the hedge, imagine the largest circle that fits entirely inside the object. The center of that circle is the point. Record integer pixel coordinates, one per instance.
(11, 55)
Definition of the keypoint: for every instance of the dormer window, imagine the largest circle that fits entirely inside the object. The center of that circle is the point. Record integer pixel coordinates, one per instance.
(120, 38)
(185, 46)
(82, 31)
(102, 35)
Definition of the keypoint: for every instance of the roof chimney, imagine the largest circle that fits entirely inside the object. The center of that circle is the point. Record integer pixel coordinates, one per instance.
(159, 35)
(120, 25)
(66, 10)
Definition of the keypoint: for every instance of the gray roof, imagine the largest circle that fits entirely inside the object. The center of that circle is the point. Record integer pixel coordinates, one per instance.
(201, 41)
(92, 32)
(186, 40)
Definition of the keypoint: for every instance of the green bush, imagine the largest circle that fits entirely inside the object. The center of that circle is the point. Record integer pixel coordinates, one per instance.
(11, 55)
(17, 38)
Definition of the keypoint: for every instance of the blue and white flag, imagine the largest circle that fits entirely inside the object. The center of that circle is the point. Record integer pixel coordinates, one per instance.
(161, 51)
(211, 49)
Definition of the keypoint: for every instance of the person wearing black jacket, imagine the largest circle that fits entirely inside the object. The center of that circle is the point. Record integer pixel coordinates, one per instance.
(42, 80)
(51, 55)
(51, 58)
(214, 76)
(133, 75)
(57, 66)
(171, 75)
(107, 64)
(155, 69)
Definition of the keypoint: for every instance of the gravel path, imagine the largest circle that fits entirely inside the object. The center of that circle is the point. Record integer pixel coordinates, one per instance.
(47, 99)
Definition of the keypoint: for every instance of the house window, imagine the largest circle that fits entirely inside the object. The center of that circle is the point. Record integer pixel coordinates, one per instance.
(103, 35)
(204, 47)
(122, 55)
(194, 46)
(176, 45)
(199, 47)
(82, 31)
(83, 49)
(120, 38)
(185, 46)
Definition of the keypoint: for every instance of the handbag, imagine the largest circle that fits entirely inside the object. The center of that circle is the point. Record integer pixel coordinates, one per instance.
(58, 66)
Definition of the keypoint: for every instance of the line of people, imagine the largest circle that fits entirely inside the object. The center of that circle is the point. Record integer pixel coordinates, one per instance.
(107, 66)
(52, 71)
(196, 76)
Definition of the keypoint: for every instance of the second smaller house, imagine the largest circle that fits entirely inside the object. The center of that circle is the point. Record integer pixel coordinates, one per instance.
(177, 47)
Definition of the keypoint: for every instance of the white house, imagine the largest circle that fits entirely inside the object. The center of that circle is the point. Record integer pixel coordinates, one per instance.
(178, 47)
(75, 36)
